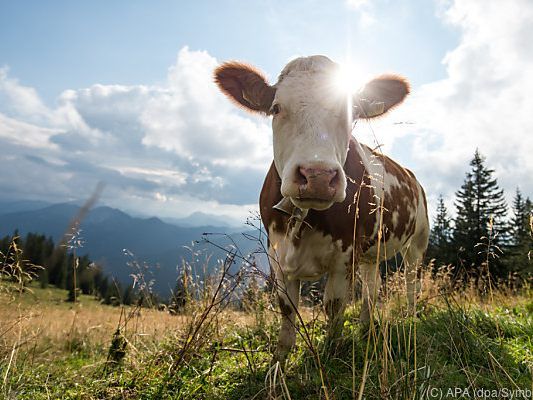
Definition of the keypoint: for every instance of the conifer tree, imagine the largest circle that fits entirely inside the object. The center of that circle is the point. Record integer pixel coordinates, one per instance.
(520, 219)
(114, 293)
(129, 296)
(521, 241)
(440, 236)
(480, 225)
(43, 278)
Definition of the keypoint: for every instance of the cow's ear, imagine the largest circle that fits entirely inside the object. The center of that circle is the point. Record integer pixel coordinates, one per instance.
(380, 95)
(245, 85)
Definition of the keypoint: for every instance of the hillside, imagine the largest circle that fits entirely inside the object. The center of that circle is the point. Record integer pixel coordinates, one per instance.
(203, 219)
(10, 206)
(106, 232)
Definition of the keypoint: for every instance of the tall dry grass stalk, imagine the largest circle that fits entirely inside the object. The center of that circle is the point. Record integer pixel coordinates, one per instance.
(15, 268)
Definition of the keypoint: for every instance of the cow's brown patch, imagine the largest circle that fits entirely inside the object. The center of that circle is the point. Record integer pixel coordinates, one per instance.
(401, 201)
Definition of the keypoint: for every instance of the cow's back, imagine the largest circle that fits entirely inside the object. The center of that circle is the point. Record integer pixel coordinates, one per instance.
(399, 205)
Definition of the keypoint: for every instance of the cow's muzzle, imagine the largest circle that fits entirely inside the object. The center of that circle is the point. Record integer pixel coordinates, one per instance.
(317, 183)
(317, 186)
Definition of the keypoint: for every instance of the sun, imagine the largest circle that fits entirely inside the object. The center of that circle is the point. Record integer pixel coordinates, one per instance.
(347, 81)
(349, 78)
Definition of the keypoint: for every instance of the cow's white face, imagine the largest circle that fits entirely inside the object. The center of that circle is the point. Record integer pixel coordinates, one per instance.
(311, 134)
(311, 122)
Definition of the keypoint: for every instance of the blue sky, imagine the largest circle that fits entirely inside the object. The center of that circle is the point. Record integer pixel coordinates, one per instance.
(121, 91)
(59, 45)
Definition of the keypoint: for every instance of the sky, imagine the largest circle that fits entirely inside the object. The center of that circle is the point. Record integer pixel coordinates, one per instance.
(122, 92)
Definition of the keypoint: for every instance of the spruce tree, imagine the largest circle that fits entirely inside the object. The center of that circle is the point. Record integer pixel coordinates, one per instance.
(43, 278)
(521, 241)
(480, 225)
(129, 296)
(440, 236)
(520, 219)
(113, 293)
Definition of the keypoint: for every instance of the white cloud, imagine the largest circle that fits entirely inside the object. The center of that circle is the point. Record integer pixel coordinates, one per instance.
(167, 177)
(21, 100)
(484, 102)
(180, 206)
(22, 103)
(365, 10)
(25, 134)
(356, 3)
(193, 119)
(180, 143)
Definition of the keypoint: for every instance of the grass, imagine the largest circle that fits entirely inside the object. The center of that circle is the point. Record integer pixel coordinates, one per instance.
(53, 349)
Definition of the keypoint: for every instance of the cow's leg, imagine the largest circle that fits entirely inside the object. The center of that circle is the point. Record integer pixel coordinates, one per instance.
(335, 300)
(370, 282)
(412, 260)
(288, 296)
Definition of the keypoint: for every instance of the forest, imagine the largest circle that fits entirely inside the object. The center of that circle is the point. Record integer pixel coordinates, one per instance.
(484, 236)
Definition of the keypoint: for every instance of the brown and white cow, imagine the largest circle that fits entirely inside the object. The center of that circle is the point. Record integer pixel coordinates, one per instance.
(326, 195)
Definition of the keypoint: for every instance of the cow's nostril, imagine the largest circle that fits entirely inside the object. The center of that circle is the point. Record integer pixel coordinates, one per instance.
(301, 176)
(333, 183)
(315, 177)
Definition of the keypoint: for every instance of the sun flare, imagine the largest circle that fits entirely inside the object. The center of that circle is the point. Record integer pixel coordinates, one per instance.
(349, 78)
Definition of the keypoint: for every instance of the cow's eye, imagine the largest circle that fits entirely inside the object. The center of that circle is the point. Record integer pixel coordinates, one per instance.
(275, 109)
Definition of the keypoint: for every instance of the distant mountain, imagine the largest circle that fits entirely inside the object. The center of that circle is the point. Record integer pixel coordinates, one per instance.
(106, 232)
(11, 206)
(202, 219)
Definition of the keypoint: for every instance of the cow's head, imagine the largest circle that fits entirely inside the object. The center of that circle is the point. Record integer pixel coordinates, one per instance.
(311, 121)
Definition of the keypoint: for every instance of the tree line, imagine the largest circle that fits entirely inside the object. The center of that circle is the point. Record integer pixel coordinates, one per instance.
(37, 257)
(482, 237)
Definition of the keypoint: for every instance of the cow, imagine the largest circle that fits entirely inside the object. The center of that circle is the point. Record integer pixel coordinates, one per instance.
(329, 203)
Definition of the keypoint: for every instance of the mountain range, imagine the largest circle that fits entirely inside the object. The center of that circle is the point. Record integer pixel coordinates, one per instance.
(202, 219)
(109, 234)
